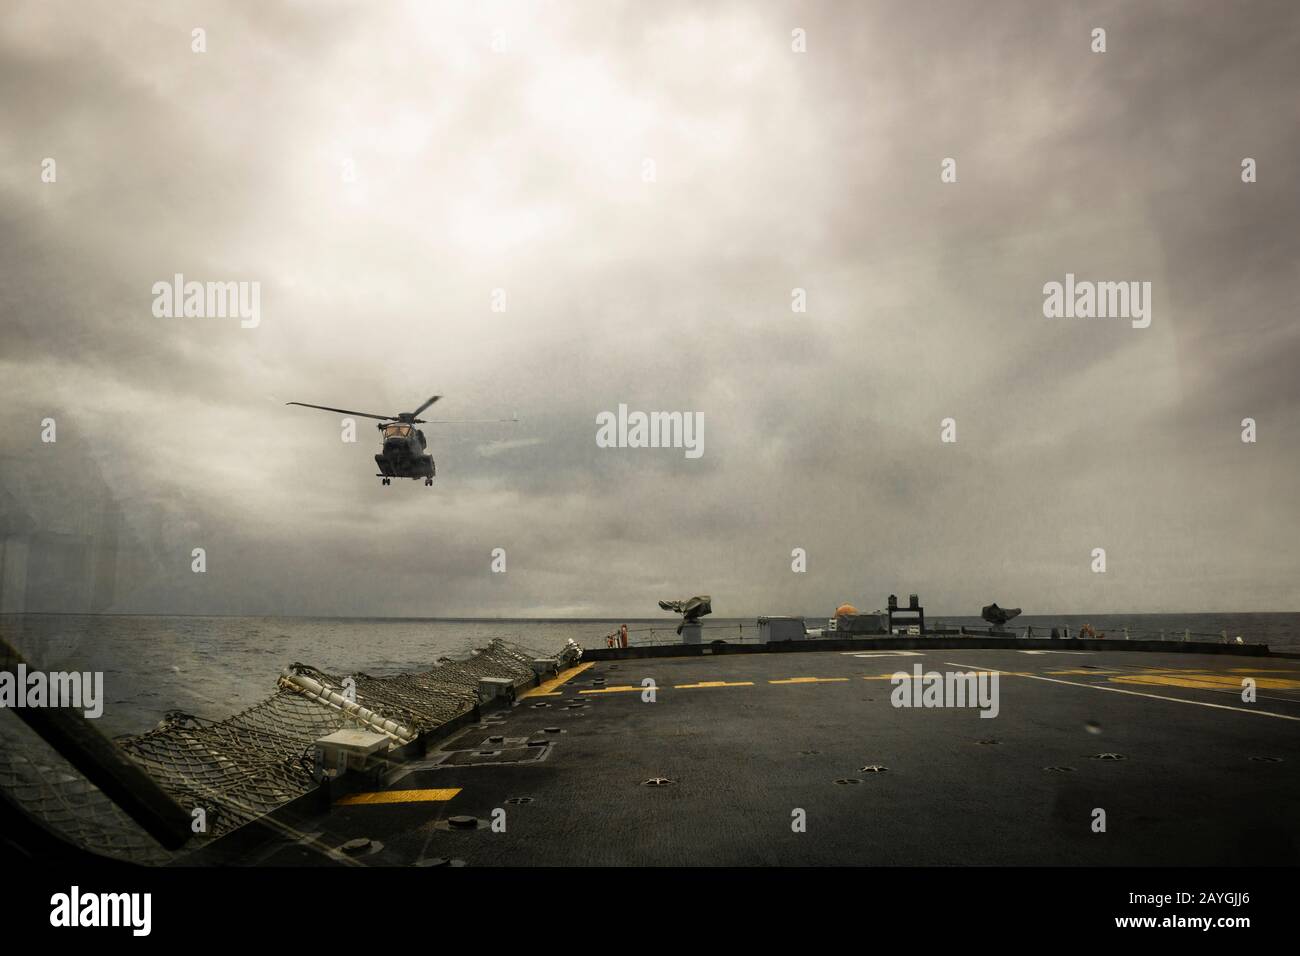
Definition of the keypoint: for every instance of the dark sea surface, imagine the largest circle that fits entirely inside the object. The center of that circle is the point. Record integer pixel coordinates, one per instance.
(215, 666)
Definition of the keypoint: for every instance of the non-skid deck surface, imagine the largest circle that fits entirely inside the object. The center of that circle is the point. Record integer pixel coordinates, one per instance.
(1184, 770)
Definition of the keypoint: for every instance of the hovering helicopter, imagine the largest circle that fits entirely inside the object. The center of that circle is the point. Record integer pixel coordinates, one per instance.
(403, 454)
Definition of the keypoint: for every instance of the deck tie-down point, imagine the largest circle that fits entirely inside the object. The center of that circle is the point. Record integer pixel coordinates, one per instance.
(461, 822)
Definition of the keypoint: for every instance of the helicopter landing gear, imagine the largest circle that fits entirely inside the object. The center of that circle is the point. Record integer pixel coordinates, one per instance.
(428, 482)
(387, 481)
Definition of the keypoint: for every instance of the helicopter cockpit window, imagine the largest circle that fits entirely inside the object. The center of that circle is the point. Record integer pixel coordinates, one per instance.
(397, 431)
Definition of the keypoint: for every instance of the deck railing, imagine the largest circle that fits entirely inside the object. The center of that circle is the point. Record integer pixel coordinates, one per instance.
(748, 633)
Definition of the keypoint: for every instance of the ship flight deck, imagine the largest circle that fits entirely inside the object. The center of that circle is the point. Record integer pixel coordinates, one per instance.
(804, 759)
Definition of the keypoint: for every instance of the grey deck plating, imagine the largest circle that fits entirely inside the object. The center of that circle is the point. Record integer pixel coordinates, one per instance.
(1195, 777)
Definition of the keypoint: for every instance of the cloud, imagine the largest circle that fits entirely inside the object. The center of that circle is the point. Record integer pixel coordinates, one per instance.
(381, 171)
(492, 449)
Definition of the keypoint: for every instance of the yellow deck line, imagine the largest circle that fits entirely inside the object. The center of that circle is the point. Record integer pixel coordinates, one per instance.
(547, 687)
(1134, 693)
(612, 690)
(714, 683)
(1207, 681)
(399, 796)
(808, 680)
(904, 675)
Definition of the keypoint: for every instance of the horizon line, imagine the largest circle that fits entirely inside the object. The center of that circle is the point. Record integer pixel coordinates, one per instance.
(606, 617)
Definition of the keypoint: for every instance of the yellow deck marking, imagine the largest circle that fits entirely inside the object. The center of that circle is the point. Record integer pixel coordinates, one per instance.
(1194, 678)
(908, 676)
(808, 680)
(547, 687)
(881, 654)
(1072, 653)
(1206, 681)
(612, 690)
(399, 796)
(1134, 693)
(714, 683)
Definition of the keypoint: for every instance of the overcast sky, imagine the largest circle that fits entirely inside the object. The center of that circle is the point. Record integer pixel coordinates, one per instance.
(381, 168)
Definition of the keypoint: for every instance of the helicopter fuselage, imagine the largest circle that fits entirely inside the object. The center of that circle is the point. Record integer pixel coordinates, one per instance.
(404, 456)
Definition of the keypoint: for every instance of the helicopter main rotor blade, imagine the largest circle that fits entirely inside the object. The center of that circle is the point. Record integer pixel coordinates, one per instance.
(344, 411)
(463, 421)
(425, 405)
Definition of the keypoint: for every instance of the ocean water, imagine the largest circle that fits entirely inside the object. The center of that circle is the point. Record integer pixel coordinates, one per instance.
(215, 666)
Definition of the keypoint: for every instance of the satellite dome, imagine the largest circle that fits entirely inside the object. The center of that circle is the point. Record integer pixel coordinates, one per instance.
(844, 609)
